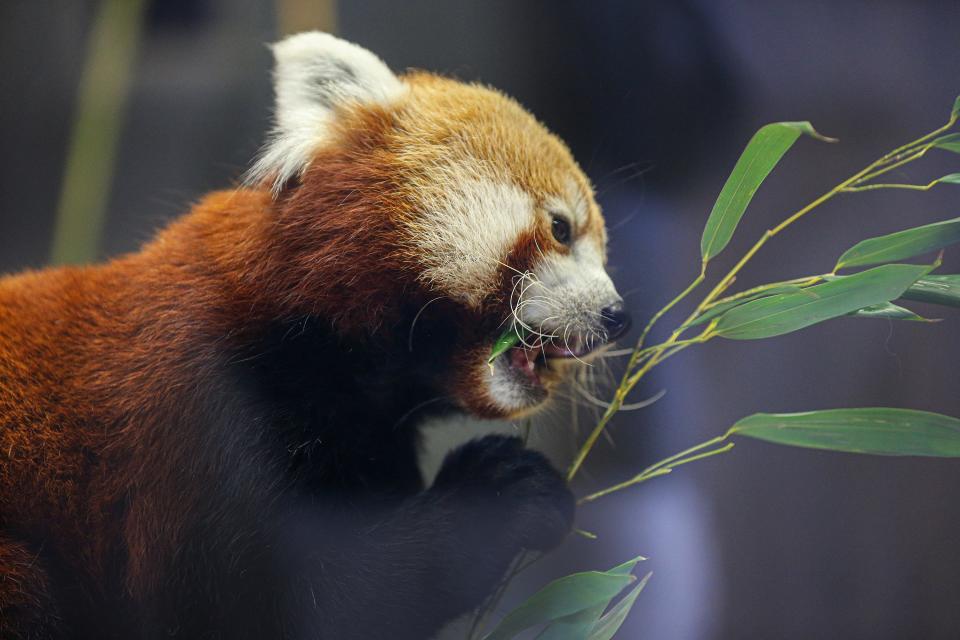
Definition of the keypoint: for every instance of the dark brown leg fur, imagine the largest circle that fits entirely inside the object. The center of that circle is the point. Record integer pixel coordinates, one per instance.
(27, 607)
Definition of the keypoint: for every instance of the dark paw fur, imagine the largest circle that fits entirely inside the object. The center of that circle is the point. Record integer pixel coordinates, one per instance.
(512, 489)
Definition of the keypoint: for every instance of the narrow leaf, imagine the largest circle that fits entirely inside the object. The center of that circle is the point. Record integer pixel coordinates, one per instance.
(723, 307)
(784, 313)
(575, 627)
(626, 567)
(610, 623)
(889, 311)
(758, 159)
(507, 340)
(879, 431)
(949, 142)
(561, 598)
(902, 244)
(953, 178)
(936, 289)
(579, 625)
(955, 112)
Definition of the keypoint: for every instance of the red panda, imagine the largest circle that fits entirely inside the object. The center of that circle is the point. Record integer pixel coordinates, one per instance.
(217, 436)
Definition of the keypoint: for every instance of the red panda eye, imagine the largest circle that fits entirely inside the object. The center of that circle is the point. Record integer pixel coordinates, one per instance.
(561, 229)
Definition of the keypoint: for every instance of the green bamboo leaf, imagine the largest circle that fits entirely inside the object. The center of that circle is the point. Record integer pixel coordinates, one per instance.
(901, 245)
(879, 431)
(610, 623)
(504, 343)
(627, 567)
(949, 142)
(507, 340)
(943, 289)
(758, 159)
(953, 178)
(579, 625)
(561, 598)
(723, 307)
(575, 627)
(955, 113)
(889, 311)
(784, 313)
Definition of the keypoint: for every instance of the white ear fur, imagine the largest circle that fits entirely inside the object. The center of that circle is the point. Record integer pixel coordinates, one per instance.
(314, 73)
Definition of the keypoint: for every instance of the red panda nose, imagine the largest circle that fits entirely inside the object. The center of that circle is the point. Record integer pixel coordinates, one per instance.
(615, 321)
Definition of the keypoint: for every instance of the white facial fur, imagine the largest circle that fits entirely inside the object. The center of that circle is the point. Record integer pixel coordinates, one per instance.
(572, 204)
(316, 73)
(562, 297)
(509, 395)
(565, 294)
(467, 229)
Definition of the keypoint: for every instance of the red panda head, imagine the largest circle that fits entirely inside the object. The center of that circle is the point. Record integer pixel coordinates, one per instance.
(436, 190)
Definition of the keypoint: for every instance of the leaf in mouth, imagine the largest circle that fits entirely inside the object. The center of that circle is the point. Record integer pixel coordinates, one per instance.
(507, 340)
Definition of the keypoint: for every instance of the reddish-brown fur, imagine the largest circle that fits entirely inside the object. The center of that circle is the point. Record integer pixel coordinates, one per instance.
(107, 372)
(89, 356)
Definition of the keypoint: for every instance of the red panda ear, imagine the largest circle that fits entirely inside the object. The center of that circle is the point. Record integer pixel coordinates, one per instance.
(314, 74)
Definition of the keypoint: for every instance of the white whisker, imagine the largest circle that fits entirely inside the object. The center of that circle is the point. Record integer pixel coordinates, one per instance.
(414, 323)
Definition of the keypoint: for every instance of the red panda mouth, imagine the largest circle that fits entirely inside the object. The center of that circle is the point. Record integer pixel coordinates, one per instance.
(526, 362)
(531, 362)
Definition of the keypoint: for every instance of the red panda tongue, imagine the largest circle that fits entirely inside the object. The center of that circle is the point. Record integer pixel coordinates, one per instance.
(525, 361)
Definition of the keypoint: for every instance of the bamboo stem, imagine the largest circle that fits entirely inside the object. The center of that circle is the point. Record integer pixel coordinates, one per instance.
(655, 355)
(915, 187)
(664, 467)
(97, 123)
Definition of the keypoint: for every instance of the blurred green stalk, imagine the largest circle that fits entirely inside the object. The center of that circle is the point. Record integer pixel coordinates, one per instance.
(91, 156)
(294, 16)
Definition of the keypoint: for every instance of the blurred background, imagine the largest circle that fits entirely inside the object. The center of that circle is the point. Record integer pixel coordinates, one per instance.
(116, 115)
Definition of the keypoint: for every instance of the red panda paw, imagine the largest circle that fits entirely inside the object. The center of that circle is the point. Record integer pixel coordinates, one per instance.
(508, 492)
